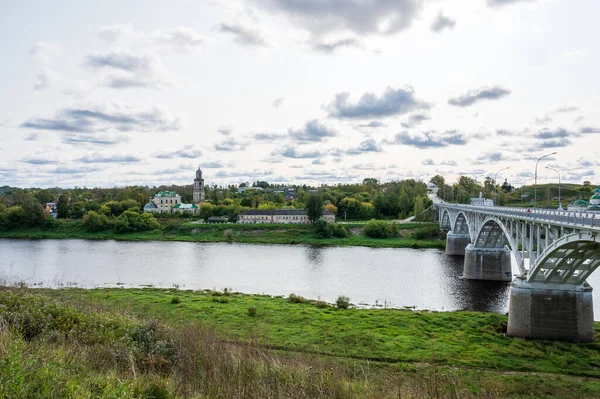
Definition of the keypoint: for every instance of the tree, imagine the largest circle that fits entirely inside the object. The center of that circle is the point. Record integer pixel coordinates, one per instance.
(33, 212)
(419, 207)
(62, 206)
(314, 208)
(94, 221)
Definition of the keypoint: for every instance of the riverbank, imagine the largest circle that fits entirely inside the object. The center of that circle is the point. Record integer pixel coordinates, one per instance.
(178, 230)
(222, 344)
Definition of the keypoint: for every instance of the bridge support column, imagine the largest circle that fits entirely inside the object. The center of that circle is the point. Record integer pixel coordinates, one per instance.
(487, 264)
(550, 311)
(456, 243)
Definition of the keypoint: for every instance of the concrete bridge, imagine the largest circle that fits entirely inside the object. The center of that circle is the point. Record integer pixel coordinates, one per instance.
(554, 253)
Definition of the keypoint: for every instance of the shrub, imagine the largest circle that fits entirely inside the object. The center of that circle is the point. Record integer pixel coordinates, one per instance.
(175, 300)
(130, 221)
(321, 304)
(220, 299)
(377, 229)
(339, 230)
(94, 221)
(394, 229)
(432, 231)
(252, 311)
(228, 235)
(342, 302)
(293, 298)
(322, 229)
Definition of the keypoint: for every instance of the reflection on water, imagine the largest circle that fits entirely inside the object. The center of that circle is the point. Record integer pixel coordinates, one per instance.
(425, 279)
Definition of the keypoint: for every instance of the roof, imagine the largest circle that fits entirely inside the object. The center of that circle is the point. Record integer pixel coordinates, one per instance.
(285, 212)
(149, 205)
(167, 194)
(185, 206)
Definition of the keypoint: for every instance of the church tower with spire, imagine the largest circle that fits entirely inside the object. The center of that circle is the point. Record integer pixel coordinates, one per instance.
(198, 187)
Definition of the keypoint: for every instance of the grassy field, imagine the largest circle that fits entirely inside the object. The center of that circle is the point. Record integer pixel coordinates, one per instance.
(156, 343)
(178, 230)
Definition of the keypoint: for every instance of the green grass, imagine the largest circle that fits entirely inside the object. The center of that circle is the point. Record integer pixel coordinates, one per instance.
(117, 343)
(177, 230)
(465, 339)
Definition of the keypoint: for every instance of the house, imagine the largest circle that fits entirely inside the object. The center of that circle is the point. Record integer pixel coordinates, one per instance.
(181, 208)
(50, 209)
(285, 216)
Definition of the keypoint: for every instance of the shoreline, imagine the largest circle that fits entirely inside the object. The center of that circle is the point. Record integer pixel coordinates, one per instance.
(244, 234)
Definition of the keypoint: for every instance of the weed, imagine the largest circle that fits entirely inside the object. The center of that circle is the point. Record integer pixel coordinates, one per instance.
(293, 298)
(342, 302)
(252, 311)
(175, 300)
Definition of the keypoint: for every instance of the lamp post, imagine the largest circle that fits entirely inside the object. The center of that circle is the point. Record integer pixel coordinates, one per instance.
(535, 180)
(496, 185)
(560, 208)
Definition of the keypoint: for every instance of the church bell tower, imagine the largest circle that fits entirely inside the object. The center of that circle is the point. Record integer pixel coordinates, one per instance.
(198, 187)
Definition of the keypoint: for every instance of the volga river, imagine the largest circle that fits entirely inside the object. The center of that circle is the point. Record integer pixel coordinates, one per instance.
(424, 279)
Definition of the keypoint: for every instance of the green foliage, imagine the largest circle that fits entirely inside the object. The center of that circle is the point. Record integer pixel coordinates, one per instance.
(339, 230)
(252, 311)
(62, 206)
(432, 231)
(130, 221)
(293, 298)
(321, 304)
(377, 229)
(94, 221)
(314, 208)
(394, 229)
(418, 206)
(342, 302)
(13, 217)
(34, 212)
(175, 300)
(322, 229)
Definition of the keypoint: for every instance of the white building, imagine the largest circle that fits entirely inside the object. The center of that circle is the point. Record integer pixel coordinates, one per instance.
(163, 201)
(285, 216)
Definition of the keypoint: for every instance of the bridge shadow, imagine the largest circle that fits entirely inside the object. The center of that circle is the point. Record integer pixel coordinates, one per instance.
(478, 295)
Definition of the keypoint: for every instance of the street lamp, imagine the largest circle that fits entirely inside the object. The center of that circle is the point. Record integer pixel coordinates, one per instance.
(535, 180)
(496, 185)
(560, 208)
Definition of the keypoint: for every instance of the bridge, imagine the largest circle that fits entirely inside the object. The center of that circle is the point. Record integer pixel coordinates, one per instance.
(554, 253)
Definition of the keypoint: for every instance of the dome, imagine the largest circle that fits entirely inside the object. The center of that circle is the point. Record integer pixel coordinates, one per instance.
(580, 202)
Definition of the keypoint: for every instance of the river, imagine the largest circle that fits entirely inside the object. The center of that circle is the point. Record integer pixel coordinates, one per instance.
(385, 277)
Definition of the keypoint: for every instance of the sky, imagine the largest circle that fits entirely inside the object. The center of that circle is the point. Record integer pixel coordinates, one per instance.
(142, 92)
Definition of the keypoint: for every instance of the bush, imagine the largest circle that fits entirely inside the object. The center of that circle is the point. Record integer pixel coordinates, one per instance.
(322, 229)
(175, 300)
(432, 231)
(342, 302)
(252, 311)
(130, 221)
(394, 229)
(339, 230)
(228, 235)
(94, 221)
(377, 229)
(293, 298)
(321, 304)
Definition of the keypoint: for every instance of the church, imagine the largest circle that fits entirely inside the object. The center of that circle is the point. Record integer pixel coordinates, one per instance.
(198, 187)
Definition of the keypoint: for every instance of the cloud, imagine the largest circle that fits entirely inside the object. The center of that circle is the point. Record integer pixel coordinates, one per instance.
(373, 124)
(278, 102)
(499, 3)
(391, 102)
(291, 152)
(313, 131)
(94, 138)
(441, 23)
(268, 137)
(249, 174)
(182, 39)
(115, 33)
(382, 17)
(367, 145)
(225, 131)
(318, 161)
(213, 165)
(332, 47)
(566, 109)
(428, 162)
(579, 119)
(475, 95)
(133, 69)
(186, 152)
(448, 163)
(41, 158)
(489, 157)
(589, 130)
(431, 139)
(44, 53)
(553, 134)
(103, 158)
(231, 145)
(71, 170)
(415, 120)
(243, 35)
(543, 120)
(505, 132)
(44, 79)
(563, 142)
(106, 117)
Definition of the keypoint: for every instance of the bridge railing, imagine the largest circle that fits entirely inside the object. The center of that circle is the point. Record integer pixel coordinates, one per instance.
(588, 219)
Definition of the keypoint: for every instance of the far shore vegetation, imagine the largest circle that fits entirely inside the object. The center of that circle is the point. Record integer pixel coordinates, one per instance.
(169, 343)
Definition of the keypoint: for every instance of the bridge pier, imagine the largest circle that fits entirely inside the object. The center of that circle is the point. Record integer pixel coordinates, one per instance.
(487, 264)
(456, 243)
(550, 311)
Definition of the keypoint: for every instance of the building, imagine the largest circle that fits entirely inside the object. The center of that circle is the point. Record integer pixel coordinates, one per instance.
(480, 201)
(50, 209)
(163, 201)
(580, 205)
(285, 216)
(181, 208)
(198, 187)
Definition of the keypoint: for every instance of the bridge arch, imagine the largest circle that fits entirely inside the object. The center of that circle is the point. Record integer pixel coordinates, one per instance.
(461, 224)
(445, 220)
(494, 234)
(569, 260)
